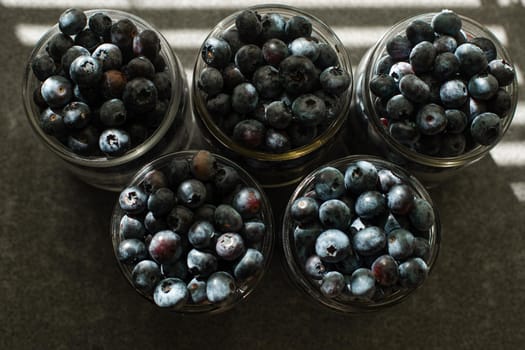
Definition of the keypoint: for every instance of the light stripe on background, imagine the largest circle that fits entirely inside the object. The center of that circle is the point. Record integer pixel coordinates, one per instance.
(519, 115)
(509, 153)
(518, 188)
(506, 3)
(234, 4)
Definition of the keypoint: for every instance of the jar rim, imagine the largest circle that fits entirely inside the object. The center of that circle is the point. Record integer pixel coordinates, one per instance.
(319, 28)
(296, 273)
(178, 87)
(468, 157)
(267, 245)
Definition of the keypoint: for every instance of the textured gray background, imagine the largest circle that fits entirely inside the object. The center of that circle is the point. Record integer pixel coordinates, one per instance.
(60, 287)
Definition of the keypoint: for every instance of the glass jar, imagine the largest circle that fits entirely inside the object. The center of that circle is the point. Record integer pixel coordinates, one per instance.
(263, 241)
(368, 127)
(294, 234)
(174, 132)
(277, 169)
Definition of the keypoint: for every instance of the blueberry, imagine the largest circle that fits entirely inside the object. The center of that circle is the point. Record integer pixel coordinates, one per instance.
(201, 234)
(227, 219)
(332, 245)
(219, 105)
(171, 292)
(503, 72)
(191, 193)
(305, 237)
(400, 244)
(122, 33)
(245, 98)
(453, 93)
(445, 43)
(210, 81)
(85, 70)
(486, 128)
(404, 132)
(197, 289)
(146, 43)
(334, 213)
(334, 80)
(332, 284)
(370, 204)
(162, 82)
(253, 231)
(76, 115)
(399, 107)
(43, 66)
(453, 145)
(314, 267)
(162, 201)
(131, 251)
(399, 70)
(100, 23)
(422, 57)
(113, 113)
(446, 22)
(327, 56)
(304, 210)
(307, 47)
(385, 270)
(298, 26)
(399, 47)
(278, 115)
(362, 283)
(154, 224)
(145, 275)
(418, 31)
(203, 165)
(301, 135)
(483, 86)
(250, 264)
(72, 21)
(230, 246)
(456, 121)
(273, 26)
(249, 133)
(70, 55)
(413, 88)
(131, 227)
(383, 86)
(475, 108)
(309, 109)
(113, 84)
(434, 85)
(56, 91)
(267, 82)
(360, 176)
(421, 248)
(248, 59)
(139, 67)
(133, 200)
(88, 39)
(154, 180)
(446, 65)
(53, 123)
(471, 59)
(500, 103)
(413, 272)
(180, 219)
(114, 142)
(329, 183)
(220, 287)
(298, 75)
(369, 241)
(400, 199)
(384, 64)
(431, 119)
(165, 247)
(201, 263)
(349, 264)
(57, 46)
(140, 95)
(487, 46)
(249, 25)
(226, 179)
(83, 141)
(422, 215)
(247, 202)
(233, 38)
(216, 52)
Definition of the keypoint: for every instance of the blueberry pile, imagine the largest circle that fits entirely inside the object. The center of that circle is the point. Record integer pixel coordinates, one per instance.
(104, 86)
(269, 84)
(362, 234)
(439, 91)
(192, 232)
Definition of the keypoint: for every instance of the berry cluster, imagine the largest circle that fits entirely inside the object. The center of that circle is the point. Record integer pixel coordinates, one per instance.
(104, 87)
(439, 91)
(363, 233)
(269, 84)
(192, 232)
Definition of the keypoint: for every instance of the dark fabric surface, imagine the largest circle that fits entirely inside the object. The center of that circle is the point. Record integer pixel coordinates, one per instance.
(60, 286)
